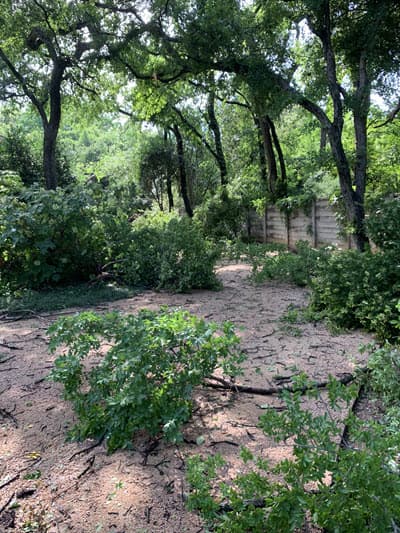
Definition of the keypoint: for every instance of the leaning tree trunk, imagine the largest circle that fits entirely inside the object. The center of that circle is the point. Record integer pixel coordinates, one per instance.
(182, 170)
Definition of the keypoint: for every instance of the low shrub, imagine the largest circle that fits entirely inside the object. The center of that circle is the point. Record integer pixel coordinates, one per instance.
(168, 252)
(145, 381)
(298, 268)
(383, 223)
(356, 289)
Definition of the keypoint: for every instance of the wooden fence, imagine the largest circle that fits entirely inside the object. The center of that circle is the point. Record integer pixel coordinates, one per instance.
(318, 226)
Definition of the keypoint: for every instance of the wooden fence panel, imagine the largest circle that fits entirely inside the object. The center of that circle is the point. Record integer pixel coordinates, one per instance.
(318, 226)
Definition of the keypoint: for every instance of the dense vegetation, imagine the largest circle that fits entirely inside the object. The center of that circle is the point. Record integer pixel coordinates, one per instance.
(136, 137)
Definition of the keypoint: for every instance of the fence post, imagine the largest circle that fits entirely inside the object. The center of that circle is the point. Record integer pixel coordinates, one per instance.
(314, 223)
(287, 217)
(265, 225)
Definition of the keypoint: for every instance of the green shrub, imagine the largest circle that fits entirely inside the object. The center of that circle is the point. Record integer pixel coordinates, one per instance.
(49, 237)
(356, 289)
(298, 268)
(221, 216)
(365, 489)
(383, 224)
(168, 252)
(146, 379)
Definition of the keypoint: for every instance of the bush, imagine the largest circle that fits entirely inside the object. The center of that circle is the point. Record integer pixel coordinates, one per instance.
(168, 252)
(356, 289)
(383, 224)
(365, 488)
(298, 268)
(49, 237)
(146, 379)
(221, 216)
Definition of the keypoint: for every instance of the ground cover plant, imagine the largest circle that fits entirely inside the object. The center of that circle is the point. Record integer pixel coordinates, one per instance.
(145, 380)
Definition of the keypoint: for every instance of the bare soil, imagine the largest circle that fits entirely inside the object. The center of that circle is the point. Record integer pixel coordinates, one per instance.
(84, 490)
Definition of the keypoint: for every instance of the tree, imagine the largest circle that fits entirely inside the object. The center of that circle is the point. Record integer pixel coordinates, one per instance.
(45, 47)
(351, 48)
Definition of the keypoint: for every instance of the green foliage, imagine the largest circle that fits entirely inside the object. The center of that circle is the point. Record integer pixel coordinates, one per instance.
(169, 252)
(221, 216)
(364, 492)
(48, 237)
(384, 366)
(17, 155)
(146, 379)
(356, 289)
(383, 224)
(298, 268)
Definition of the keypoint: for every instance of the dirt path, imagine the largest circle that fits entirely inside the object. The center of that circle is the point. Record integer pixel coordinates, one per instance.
(95, 492)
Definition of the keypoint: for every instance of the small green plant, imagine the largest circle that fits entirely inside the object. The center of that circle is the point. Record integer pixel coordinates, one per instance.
(298, 268)
(146, 379)
(361, 492)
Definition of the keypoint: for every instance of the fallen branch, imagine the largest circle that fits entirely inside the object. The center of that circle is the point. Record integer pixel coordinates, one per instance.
(225, 385)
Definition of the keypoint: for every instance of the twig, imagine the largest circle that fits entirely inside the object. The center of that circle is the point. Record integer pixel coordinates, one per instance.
(90, 461)
(8, 359)
(5, 345)
(89, 448)
(7, 414)
(5, 483)
(215, 442)
(7, 502)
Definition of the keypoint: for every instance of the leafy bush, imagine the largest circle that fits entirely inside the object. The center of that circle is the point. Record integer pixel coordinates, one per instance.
(49, 237)
(383, 224)
(365, 488)
(146, 379)
(359, 289)
(221, 216)
(298, 268)
(169, 252)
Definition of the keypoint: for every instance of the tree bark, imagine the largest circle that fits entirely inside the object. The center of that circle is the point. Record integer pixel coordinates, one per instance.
(51, 125)
(182, 170)
(282, 179)
(214, 126)
(169, 193)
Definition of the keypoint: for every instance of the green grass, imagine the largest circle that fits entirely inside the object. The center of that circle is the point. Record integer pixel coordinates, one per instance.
(81, 295)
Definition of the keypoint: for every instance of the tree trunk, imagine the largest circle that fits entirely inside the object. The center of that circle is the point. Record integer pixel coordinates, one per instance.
(50, 157)
(214, 126)
(182, 170)
(282, 179)
(52, 126)
(261, 153)
(169, 193)
(269, 156)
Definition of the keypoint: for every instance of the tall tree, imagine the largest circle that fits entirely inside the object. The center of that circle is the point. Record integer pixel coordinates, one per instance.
(45, 48)
(352, 48)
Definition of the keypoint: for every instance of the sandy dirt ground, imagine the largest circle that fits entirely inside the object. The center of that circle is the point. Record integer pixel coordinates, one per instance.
(84, 490)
